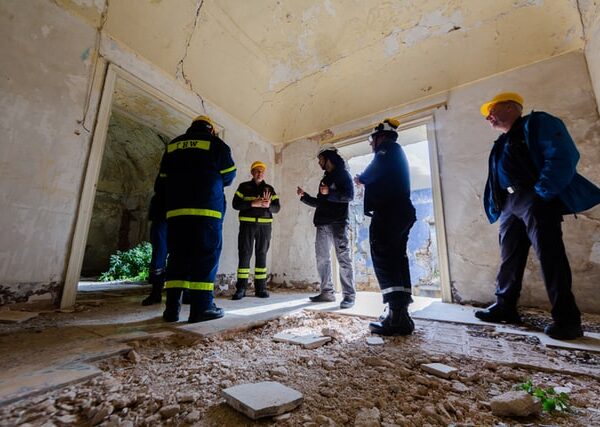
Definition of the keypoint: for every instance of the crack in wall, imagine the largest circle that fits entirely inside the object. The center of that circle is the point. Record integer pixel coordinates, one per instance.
(179, 71)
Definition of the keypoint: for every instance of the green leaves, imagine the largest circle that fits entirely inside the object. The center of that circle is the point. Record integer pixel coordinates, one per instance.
(551, 401)
(129, 265)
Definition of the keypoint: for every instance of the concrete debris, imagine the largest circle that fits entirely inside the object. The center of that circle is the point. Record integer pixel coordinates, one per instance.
(368, 418)
(307, 341)
(375, 341)
(265, 399)
(186, 397)
(192, 417)
(439, 369)
(134, 356)
(169, 411)
(515, 404)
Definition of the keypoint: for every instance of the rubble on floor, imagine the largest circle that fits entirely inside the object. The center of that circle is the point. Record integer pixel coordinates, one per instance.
(179, 380)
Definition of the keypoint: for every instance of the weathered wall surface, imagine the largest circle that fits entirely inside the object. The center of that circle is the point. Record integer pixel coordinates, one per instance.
(590, 14)
(44, 77)
(125, 186)
(464, 140)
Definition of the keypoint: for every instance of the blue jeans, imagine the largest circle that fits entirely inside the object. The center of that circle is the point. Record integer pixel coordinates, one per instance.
(158, 240)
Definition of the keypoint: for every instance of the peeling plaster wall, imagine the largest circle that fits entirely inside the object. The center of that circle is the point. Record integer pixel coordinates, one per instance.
(464, 140)
(590, 11)
(43, 81)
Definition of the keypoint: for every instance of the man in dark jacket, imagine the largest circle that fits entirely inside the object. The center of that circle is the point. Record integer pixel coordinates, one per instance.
(197, 166)
(257, 202)
(158, 239)
(331, 219)
(387, 202)
(532, 183)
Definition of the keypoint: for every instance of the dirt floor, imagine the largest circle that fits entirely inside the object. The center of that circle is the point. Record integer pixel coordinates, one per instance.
(178, 380)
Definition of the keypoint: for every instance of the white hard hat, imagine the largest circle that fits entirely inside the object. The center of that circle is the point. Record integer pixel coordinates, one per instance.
(326, 147)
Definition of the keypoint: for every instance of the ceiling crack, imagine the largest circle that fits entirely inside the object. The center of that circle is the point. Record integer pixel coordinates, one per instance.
(179, 71)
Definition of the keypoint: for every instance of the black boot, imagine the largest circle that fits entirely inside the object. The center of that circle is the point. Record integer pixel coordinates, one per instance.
(208, 313)
(155, 297)
(260, 290)
(240, 291)
(173, 306)
(499, 313)
(397, 322)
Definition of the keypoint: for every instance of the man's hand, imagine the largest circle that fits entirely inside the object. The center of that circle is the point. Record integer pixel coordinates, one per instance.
(323, 189)
(357, 180)
(299, 191)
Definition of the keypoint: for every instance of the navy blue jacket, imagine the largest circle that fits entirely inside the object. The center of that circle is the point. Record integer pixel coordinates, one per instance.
(555, 158)
(387, 179)
(196, 167)
(332, 208)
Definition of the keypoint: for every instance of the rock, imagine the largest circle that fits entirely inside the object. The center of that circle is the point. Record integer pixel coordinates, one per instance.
(169, 411)
(323, 420)
(192, 417)
(185, 397)
(439, 369)
(459, 387)
(368, 418)
(278, 370)
(66, 420)
(134, 356)
(375, 341)
(101, 413)
(327, 392)
(378, 361)
(515, 404)
(282, 417)
(264, 399)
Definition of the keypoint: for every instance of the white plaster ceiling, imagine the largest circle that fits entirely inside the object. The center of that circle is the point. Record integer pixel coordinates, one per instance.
(292, 68)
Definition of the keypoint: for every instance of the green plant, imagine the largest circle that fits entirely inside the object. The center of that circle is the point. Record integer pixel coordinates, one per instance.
(551, 401)
(129, 265)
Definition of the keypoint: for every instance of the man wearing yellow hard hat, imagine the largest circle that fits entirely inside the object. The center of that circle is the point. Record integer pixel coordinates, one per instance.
(532, 182)
(196, 167)
(257, 202)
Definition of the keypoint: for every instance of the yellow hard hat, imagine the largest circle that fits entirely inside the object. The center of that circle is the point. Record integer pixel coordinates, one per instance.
(208, 121)
(258, 164)
(501, 97)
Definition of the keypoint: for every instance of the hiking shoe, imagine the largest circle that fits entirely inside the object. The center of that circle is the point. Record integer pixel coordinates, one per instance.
(347, 302)
(563, 332)
(210, 313)
(323, 298)
(497, 313)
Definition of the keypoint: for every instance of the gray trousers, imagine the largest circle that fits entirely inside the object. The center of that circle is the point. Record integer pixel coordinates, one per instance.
(336, 234)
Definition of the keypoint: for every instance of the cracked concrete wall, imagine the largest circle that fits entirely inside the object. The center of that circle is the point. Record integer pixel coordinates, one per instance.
(43, 83)
(590, 13)
(464, 140)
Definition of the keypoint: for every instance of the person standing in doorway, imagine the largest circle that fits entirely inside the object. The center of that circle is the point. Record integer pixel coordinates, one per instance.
(257, 202)
(387, 202)
(532, 182)
(331, 219)
(197, 166)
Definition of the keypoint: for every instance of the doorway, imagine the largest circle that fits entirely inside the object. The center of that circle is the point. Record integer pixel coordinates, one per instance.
(134, 120)
(427, 250)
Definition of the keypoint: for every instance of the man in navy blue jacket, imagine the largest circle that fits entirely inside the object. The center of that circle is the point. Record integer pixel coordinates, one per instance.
(196, 166)
(387, 202)
(331, 219)
(532, 183)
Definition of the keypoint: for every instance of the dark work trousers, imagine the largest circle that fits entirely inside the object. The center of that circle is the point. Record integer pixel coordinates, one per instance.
(526, 220)
(158, 240)
(194, 244)
(253, 236)
(388, 236)
(336, 235)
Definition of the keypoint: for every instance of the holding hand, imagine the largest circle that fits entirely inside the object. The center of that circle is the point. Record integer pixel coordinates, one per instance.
(323, 188)
(299, 191)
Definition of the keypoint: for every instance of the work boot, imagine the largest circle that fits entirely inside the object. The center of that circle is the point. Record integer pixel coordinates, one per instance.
(323, 297)
(240, 291)
(497, 313)
(561, 331)
(173, 305)
(347, 302)
(212, 312)
(397, 322)
(157, 281)
(260, 290)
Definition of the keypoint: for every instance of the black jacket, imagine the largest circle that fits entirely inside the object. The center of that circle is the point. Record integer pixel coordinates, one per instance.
(332, 208)
(249, 191)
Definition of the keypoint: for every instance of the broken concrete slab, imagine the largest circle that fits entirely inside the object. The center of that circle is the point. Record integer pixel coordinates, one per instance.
(375, 341)
(439, 369)
(10, 316)
(264, 399)
(141, 336)
(18, 385)
(589, 342)
(307, 341)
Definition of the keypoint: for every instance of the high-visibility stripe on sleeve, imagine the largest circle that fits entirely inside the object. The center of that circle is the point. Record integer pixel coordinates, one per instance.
(275, 197)
(194, 212)
(250, 198)
(231, 169)
(196, 286)
(240, 195)
(184, 145)
(162, 175)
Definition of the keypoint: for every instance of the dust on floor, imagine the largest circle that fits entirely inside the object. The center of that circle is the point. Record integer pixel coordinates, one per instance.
(178, 381)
